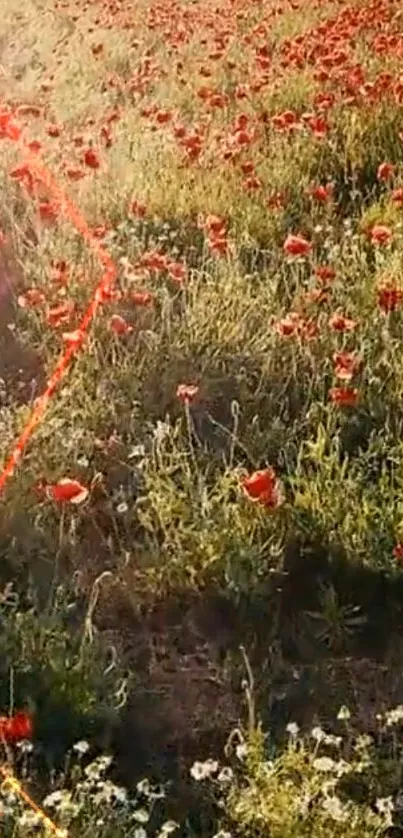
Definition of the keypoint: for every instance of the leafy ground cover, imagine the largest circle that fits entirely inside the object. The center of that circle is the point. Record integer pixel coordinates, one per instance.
(215, 488)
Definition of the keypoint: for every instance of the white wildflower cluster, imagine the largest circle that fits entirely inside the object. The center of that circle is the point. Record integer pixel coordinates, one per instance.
(344, 714)
(241, 751)
(93, 800)
(62, 802)
(92, 793)
(363, 742)
(321, 737)
(167, 829)
(204, 770)
(394, 717)
(385, 807)
(324, 764)
(336, 809)
(81, 747)
(292, 730)
(211, 770)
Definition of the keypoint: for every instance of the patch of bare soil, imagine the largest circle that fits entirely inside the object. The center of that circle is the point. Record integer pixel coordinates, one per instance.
(314, 694)
(185, 699)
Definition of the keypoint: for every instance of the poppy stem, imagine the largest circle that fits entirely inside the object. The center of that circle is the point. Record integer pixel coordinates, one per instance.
(191, 432)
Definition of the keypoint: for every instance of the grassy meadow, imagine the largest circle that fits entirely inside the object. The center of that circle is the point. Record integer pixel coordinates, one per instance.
(201, 581)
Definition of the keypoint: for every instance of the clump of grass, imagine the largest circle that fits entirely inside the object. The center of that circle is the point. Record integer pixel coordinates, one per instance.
(83, 801)
(53, 663)
(344, 782)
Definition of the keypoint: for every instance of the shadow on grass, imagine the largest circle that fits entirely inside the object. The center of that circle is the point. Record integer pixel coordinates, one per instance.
(184, 653)
(22, 373)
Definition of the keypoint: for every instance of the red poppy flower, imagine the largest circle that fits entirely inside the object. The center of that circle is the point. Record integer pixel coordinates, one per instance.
(177, 271)
(380, 234)
(138, 209)
(154, 260)
(398, 551)
(289, 325)
(119, 325)
(60, 314)
(23, 174)
(296, 246)
(214, 225)
(8, 129)
(54, 130)
(325, 273)
(162, 117)
(276, 201)
(248, 167)
(285, 121)
(218, 245)
(243, 138)
(34, 146)
(321, 193)
(317, 295)
(15, 728)
(264, 487)
(309, 329)
(193, 146)
(340, 323)
(107, 294)
(389, 296)
(179, 131)
(67, 491)
(48, 210)
(91, 158)
(346, 364)
(187, 393)
(397, 197)
(318, 126)
(344, 396)
(252, 183)
(385, 171)
(32, 297)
